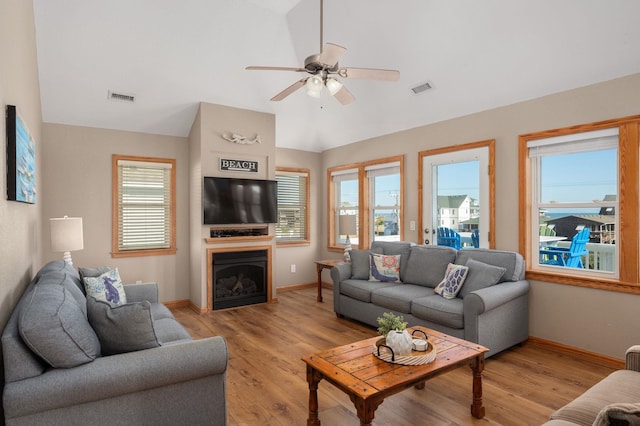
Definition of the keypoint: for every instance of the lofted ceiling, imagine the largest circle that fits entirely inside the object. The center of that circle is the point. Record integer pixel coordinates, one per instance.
(174, 54)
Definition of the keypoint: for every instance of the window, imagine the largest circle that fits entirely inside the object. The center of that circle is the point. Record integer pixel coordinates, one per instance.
(293, 206)
(143, 206)
(580, 200)
(384, 195)
(370, 191)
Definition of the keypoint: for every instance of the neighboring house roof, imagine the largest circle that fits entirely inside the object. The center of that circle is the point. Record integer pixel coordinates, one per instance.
(592, 218)
(451, 201)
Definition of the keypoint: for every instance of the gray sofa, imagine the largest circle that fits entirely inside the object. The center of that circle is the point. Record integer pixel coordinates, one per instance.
(491, 308)
(56, 372)
(612, 401)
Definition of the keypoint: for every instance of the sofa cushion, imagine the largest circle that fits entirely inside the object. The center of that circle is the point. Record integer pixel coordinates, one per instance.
(620, 386)
(170, 331)
(107, 287)
(122, 328)
(54, 326)
(454, 279)
(510, 260)
(481, 275)
(360, 289)
(385, 268)
(398, 297)
(159, 311)
(63, 267)
(361, 263)
(427, 264)
(402, 248)
(448, 312)
(92, 272)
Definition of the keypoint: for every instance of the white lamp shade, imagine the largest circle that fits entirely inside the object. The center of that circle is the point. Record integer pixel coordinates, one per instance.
(314, 86)
(66, 234)
(347, 223)
(333, 85)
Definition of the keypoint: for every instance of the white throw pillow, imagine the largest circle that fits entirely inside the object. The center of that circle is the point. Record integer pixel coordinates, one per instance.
(107, 287)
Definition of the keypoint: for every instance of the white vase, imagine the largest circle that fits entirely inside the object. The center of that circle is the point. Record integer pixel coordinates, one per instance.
(400, 341)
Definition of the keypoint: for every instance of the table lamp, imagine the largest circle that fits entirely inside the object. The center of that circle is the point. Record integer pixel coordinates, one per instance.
(66, 236)
(347, 224)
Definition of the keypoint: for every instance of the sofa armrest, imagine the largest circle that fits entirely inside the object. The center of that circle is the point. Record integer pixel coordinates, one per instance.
(340, 273)
(117, 375)
(141, 292)
(486, 299)
(632, 358)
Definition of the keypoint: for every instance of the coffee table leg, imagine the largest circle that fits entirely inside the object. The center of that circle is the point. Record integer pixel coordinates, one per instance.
(477, 409)
(313, 378)
(366, 409)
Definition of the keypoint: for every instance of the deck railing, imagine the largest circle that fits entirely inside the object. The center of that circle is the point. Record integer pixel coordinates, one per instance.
(601, 257)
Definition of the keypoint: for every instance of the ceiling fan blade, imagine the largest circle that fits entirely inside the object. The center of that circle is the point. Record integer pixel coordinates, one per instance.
(289, 90)
(331, 54)
(369, 74)
(344, 96)
(276, 69)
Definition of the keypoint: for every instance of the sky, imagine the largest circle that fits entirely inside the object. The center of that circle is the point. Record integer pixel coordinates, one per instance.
(578, 177)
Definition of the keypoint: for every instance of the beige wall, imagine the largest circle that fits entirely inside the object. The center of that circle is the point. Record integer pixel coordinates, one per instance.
(20, 248)
(594, 320)
(77, 183)
(206, 148)
(303, 256)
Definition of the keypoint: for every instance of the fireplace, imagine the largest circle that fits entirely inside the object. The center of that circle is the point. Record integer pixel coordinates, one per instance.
(239, 278)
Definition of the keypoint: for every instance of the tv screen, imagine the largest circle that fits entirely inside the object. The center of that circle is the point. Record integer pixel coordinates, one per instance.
(235, 201)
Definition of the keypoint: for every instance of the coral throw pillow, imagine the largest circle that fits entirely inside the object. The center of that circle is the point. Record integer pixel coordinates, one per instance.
(385, 268)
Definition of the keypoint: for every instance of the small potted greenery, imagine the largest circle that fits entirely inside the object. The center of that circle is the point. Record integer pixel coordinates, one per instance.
(393, 328)
(389, 321)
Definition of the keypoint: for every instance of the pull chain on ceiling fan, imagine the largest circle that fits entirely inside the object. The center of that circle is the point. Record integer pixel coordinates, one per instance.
(323, 68)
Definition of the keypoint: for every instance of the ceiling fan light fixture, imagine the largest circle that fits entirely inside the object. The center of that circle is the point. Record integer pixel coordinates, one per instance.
(333, 85)
(314, 86)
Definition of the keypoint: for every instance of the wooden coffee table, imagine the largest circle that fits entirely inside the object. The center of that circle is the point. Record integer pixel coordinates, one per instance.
(368, 380)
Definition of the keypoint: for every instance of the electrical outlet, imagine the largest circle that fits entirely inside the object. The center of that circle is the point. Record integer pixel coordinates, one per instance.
(412, 225)
(293, 267)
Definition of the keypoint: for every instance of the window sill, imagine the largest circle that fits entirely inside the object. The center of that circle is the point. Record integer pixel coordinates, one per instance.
(139, 253)
(600, 284)
(292, 243)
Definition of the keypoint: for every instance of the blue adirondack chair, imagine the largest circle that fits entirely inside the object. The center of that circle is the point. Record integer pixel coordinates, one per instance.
(570, 257)
(448, 237)
(475, 238)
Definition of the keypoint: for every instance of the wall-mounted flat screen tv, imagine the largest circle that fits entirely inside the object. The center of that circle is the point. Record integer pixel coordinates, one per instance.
(228, 201)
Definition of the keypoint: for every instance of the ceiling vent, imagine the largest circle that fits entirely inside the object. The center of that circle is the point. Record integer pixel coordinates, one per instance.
(122, 97)
(422, 87)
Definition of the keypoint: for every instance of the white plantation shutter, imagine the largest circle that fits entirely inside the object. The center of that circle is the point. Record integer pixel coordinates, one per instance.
(144, 205)
(292, 206)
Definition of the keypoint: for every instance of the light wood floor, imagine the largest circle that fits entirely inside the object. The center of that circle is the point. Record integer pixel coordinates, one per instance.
(266, 383)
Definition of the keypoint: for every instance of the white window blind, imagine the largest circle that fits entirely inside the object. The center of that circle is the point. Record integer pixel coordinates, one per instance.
(292, 206)
(144, 205)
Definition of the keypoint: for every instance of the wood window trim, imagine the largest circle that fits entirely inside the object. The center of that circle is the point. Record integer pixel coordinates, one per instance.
(628, 206)
(491, 145)
(364, 205)
(115, 252)
(306, 241)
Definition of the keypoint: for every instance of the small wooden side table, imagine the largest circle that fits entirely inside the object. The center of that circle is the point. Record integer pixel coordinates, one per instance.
(325, 264)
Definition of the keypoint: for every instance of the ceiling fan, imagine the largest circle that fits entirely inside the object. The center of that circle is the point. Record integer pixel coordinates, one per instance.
(323, 68)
